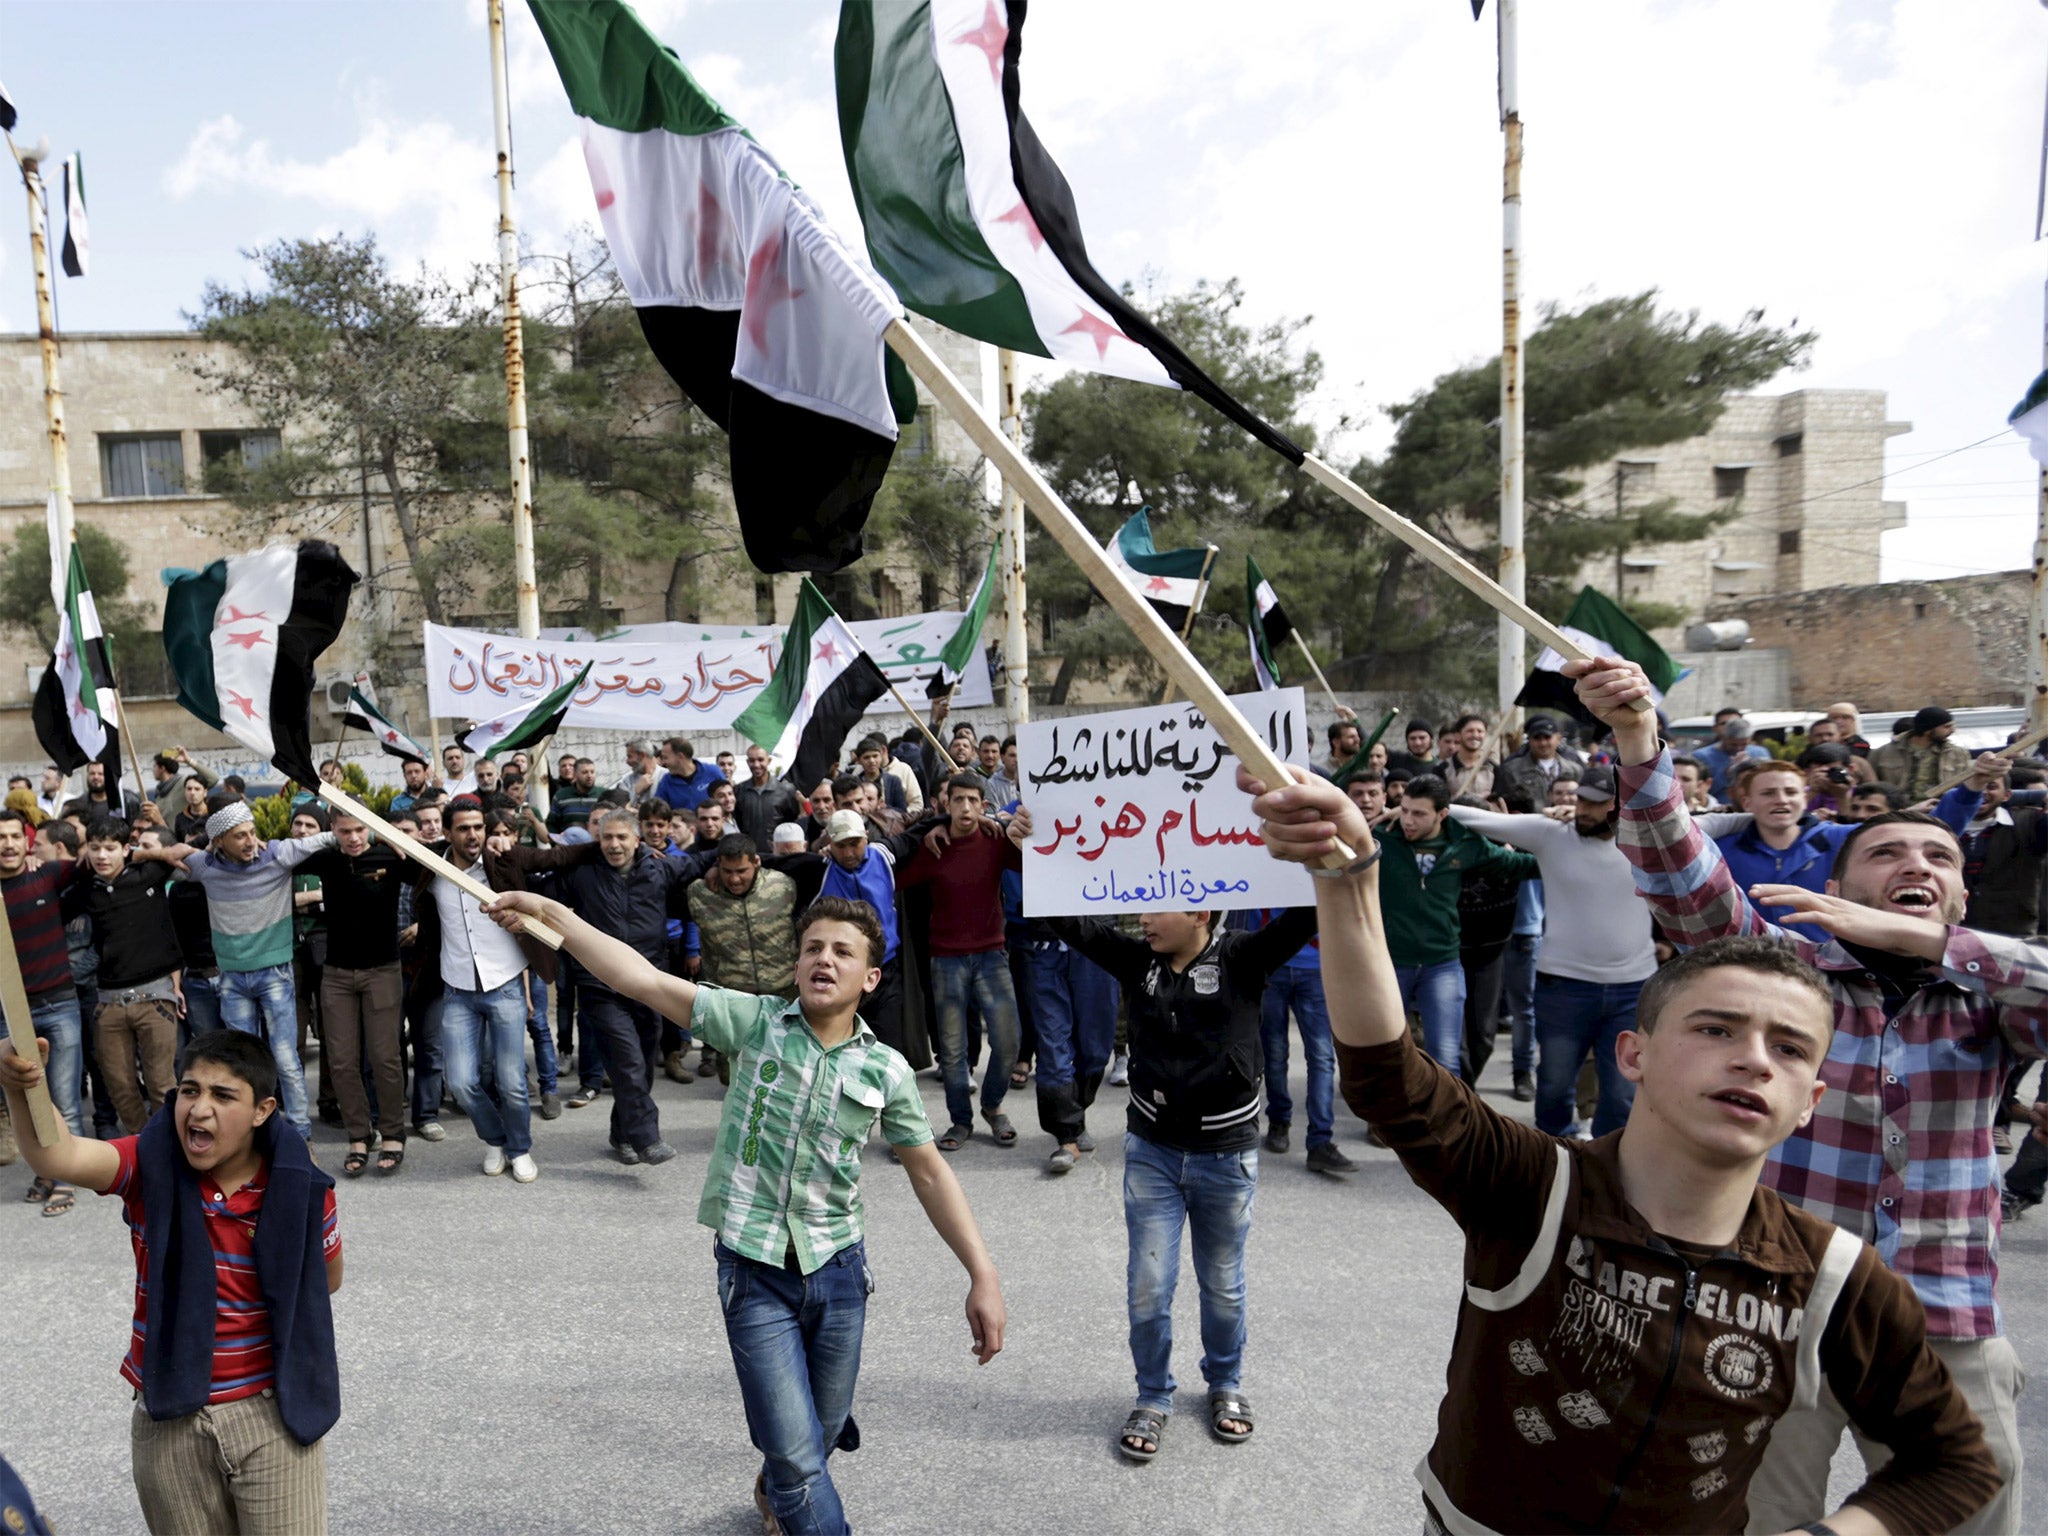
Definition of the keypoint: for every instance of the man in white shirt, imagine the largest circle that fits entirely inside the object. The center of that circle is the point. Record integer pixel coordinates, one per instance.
(55, 791)
(456, 778)
(1596, 953)
(483, 980)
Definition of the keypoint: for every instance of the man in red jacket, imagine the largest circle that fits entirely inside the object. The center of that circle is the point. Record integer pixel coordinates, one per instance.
(968, 954)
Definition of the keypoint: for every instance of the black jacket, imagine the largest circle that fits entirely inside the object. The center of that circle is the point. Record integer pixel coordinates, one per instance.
(632, 905)
(758, 810)
(361, 897)
(1197, 1067)
(131, 923)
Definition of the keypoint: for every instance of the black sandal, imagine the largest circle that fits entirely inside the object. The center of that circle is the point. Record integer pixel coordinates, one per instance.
(955, 1135)
(353, 1165)
(1147, 1424)
(390, 1159)
(1229, 1405)
(999, 1127)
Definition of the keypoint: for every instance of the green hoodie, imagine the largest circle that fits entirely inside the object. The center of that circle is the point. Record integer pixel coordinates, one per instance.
(1421, 911)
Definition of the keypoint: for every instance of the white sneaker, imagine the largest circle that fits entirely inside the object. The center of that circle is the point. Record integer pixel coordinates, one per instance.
(1119, 1070)
(524, 1169)
(494, 1161)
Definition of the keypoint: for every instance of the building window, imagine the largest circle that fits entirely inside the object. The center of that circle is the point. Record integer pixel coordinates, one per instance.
(928, 590)
(248, 448)
(917, 436)
(1729, 481)
(143, 466)
(1788, 542)
(146, 671)
(1791, 444)
(764, 600)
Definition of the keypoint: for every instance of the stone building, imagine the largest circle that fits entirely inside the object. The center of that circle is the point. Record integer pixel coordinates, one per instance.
(1802, 475)
(143, 428)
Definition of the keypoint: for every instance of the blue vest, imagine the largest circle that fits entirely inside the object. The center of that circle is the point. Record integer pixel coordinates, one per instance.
(874, 883)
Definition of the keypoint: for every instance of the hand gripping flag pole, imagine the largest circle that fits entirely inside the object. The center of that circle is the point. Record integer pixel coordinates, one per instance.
(22, 1035)
(1072, 535)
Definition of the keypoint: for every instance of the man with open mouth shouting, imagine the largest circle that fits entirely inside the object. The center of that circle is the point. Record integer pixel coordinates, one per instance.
(1928, 1017)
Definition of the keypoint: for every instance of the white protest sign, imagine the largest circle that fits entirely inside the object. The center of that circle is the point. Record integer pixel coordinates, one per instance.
(667, 687)
(1139, 811)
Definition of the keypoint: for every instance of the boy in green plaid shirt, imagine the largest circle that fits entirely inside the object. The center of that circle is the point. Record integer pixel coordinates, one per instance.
(809, 1083)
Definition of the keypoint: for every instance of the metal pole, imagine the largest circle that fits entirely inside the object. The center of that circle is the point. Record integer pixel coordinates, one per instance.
(528, 589)
(1514, 566)
(46, 332)
(1016, 629)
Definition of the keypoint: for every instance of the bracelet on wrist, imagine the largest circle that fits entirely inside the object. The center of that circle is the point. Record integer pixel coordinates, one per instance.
(1355, 867)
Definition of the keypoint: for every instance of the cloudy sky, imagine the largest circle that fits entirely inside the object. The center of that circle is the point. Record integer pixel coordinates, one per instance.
(1866, 167)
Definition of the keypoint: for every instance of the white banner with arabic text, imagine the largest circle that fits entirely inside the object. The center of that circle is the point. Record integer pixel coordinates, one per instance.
(1138, 810)
(667, 686)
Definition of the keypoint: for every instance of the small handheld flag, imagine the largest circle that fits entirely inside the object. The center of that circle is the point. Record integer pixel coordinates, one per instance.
(1169, 579)
(526, 726)
(75, 240)
(823, 683)
(1603, 628)
(242, 636)
(959, 652)
(363, 715)
(1266, 622)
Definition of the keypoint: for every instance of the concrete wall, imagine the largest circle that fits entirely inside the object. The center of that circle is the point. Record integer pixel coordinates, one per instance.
(1758, 678)
(1901, 644)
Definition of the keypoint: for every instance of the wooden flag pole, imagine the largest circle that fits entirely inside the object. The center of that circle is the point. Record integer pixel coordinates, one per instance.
(526, 588)
(918, 720)
(1071, 534)
(1187, 625)
(341, 800)
(21, 1033)
(1454, 565)
(2031, 739)
(1310, 656)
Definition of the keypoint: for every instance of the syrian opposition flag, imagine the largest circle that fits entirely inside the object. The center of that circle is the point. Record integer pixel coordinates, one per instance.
(77, 712)
(2030, 418)
(75, 242)
(242, 636)
(1266, 623)
(364, 715)
(767, 320)
(1599, 624)
(823, 684)
(959, 653)
(525, 727)
(1170, 579)
(966, 214)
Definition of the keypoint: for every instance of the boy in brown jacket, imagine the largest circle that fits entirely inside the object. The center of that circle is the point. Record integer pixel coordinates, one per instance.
(1637, 1312)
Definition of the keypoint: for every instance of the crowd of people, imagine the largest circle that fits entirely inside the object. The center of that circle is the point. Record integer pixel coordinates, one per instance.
(1860, 915)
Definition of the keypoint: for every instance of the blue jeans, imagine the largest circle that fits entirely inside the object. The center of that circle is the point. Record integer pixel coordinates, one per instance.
(262, 1003)
(1521, 994)
(1212, 1193)
(476, 1025)
(795, 1343)
(1573, 1017)
(1074, 1003)
(202, 1007)
(60, 1022)
(546, 1064)
(1437, 993)
(429, 1076)
(986, 978)
(1300, 988)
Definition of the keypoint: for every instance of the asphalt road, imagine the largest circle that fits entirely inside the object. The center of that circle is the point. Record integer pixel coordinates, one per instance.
(549, 1359)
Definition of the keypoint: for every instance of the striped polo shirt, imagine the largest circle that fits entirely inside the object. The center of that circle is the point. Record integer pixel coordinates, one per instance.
(242, 1363)
(250, 905)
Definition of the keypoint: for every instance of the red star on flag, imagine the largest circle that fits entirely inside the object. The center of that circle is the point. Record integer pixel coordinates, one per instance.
(392, 737)
(249, 640)
(767, 286)
(246, 706)
(989, 39)
(233, 615)
(711, 230)
(1097, 330)
(63, 655)
(829, 651)
(78, 709)
(1020, 215)
(1158, 584)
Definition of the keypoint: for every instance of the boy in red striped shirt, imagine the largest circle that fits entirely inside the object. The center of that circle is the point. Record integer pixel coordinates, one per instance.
(231, 1347)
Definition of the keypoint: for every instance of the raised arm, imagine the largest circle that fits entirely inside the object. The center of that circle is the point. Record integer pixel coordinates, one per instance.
(1517, 831)
(69, 1159)
(615, 964)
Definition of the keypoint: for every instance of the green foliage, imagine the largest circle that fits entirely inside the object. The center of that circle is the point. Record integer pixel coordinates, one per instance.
(273, 815)
(25, 602)
(1614, 375)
